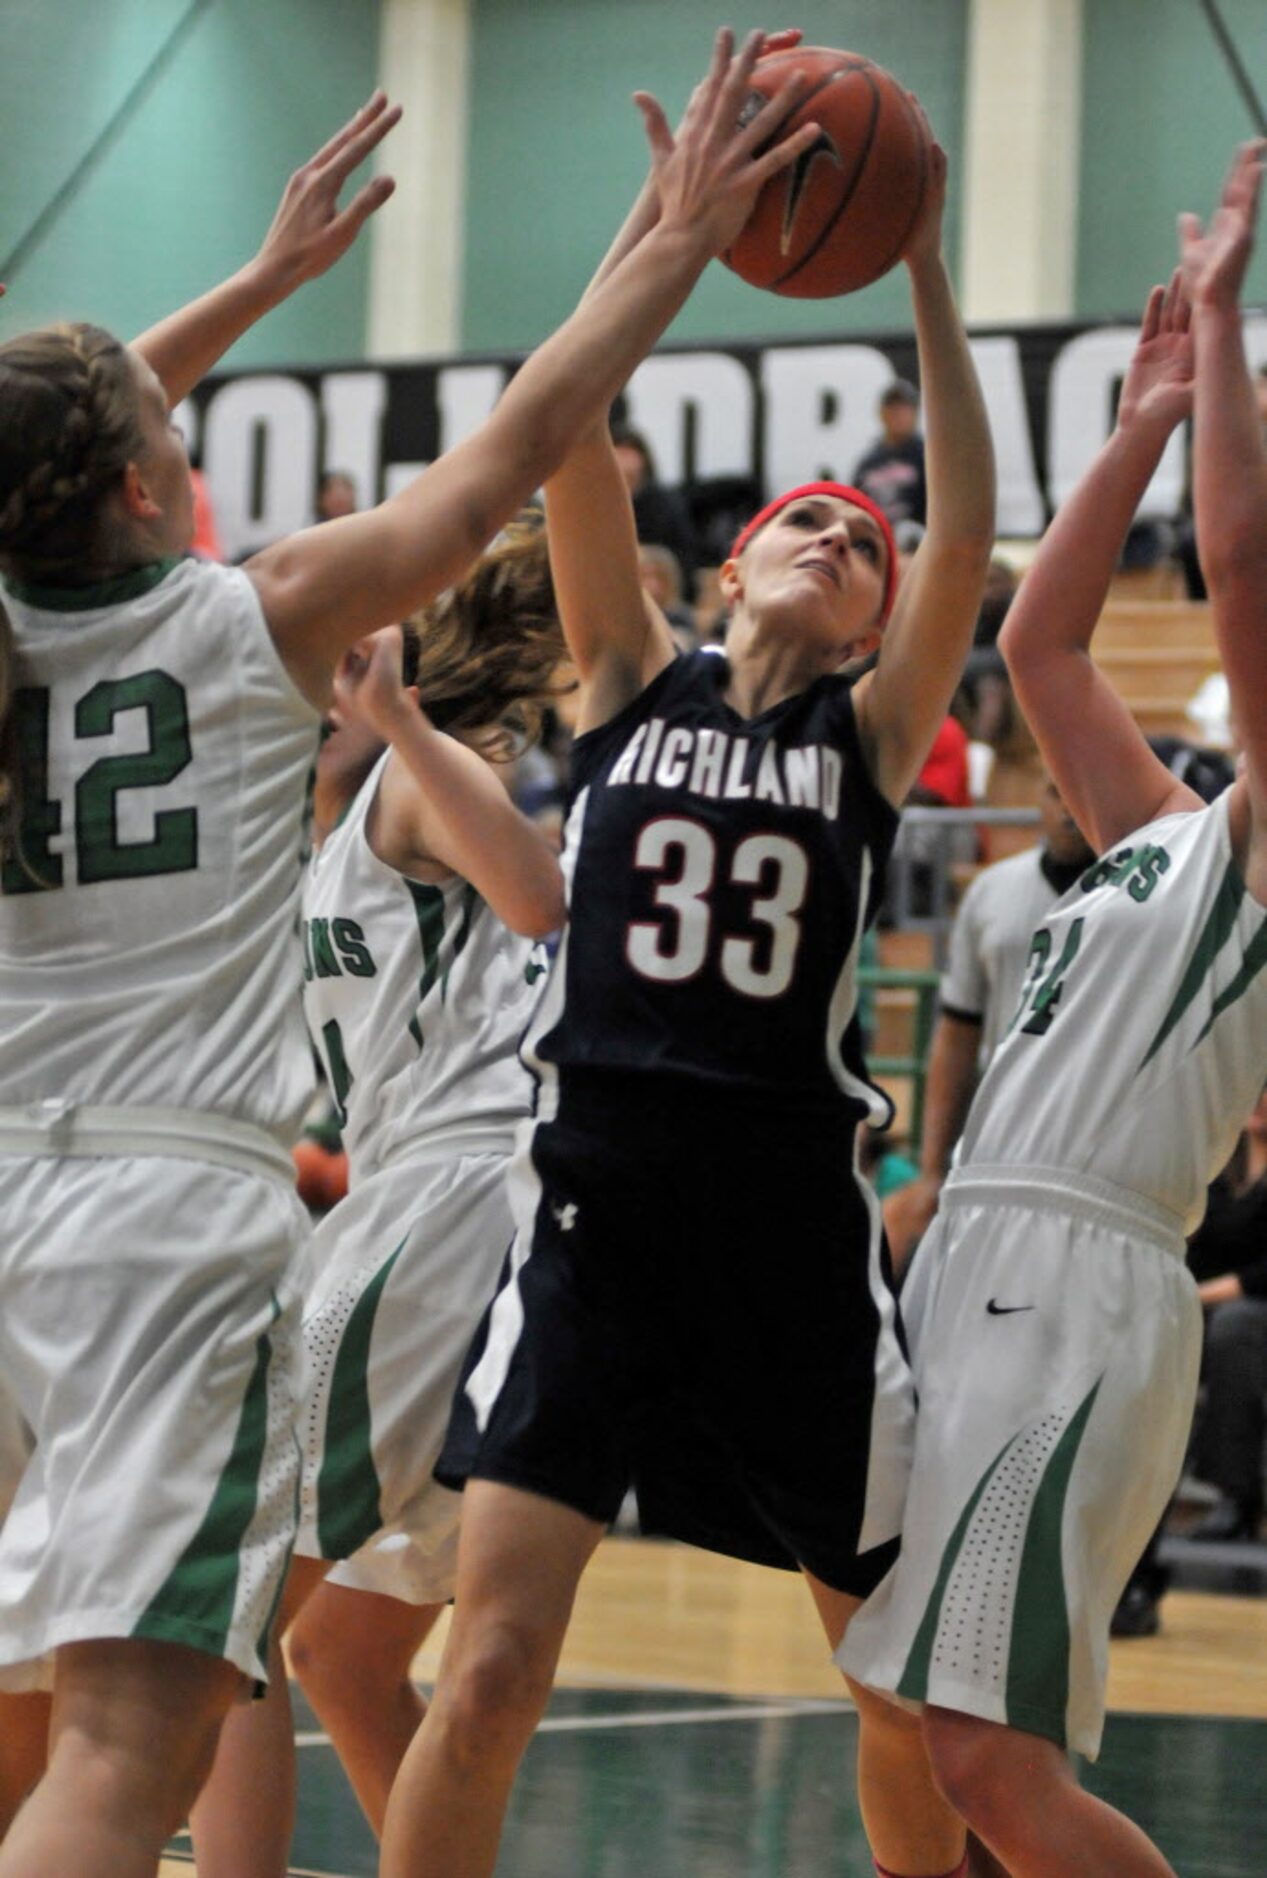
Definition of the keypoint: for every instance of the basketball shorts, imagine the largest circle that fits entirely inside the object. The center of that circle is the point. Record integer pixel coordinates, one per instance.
(1056, 1363)
(147, 1341)
(695, 1305)
(403, 1270)
(15, 1450)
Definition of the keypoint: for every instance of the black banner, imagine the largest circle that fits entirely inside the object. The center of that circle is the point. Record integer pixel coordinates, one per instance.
(780, 414)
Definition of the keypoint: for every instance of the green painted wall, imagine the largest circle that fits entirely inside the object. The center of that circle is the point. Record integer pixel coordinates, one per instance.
(1161, 117)
(557, 151)
(189, 186)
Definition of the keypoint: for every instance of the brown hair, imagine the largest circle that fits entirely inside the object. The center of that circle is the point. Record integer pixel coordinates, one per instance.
(486, 655)
(69, 425)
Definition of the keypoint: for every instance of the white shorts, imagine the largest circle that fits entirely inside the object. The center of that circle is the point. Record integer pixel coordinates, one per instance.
(147, 1339)
(15, 1450)
(403, 1270)
(1056, 1364)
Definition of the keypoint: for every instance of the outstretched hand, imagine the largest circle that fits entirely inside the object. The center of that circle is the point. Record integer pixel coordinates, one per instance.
(709, 176)
(1213, 260)
(924, 242)
(367, 682)
(1159, 381)
(310, 231)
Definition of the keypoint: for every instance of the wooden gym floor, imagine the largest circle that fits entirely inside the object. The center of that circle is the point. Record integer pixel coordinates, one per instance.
(699, 1732)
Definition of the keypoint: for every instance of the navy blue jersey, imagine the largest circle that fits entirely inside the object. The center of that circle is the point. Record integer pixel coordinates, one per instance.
(721, 872)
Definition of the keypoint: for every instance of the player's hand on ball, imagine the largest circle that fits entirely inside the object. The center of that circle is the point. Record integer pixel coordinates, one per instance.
(310, 231)
(1159, 381)
(925, 239)
(708, 176)
(1213, 260)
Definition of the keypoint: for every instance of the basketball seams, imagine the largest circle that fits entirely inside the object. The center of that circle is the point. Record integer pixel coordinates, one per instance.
(851, 187)
(874, 180)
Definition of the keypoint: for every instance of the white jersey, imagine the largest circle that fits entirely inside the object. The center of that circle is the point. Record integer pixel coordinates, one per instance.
(416, 997)
(147, 946)
(1139, 1044)
(989, 944)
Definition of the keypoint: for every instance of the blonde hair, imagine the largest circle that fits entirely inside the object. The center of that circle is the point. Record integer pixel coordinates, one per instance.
(69, 426)
(486, 655)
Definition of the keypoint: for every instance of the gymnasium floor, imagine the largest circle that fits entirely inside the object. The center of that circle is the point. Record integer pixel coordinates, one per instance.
(698, 1733)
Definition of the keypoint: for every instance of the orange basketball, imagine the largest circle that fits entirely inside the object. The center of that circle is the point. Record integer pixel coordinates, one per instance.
(841, 215)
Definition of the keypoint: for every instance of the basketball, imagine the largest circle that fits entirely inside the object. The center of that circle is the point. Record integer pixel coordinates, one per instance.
(842, 214)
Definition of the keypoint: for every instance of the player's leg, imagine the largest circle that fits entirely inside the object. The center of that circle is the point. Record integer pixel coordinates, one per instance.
(520, 1559)
(133, 1731)
(243, 1819)
(1020, 1794)
(23, 1749)
(351, 1652)
(910, 1827)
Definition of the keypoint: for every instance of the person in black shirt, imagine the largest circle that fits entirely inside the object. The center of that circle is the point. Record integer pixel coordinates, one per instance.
(892, 471)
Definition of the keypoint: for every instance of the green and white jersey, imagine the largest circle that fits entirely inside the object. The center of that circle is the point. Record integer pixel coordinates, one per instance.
(147, 933)
(416, 996)
(1139, 1044)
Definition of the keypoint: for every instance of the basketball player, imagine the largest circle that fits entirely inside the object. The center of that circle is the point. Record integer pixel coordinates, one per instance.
(417, 989)
(1058, 1350)
(161, 721)
(697, 1273)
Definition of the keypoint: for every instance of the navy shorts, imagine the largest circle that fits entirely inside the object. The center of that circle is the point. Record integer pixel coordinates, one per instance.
(699, 1307)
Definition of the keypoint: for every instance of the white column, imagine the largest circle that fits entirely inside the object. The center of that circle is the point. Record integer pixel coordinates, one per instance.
(416, 240)
(1023, 131)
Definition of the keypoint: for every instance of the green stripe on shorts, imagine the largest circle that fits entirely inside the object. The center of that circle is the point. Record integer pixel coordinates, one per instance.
(914, 1683)
(1038, 1651)
(195, 1603)
(348, 1510)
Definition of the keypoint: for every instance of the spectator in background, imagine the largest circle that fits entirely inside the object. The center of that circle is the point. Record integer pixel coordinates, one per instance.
(661, 515)
(1228, 1258)
(892, 471)
(989, 950)
(336, 496)
(661, 574)
(206, 536)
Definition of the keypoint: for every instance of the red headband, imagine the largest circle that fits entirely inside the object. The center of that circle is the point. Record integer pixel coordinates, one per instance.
(846, 493)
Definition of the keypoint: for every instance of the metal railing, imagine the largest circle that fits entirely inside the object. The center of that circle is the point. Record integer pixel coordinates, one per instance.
(912, 1068)
(919, 896)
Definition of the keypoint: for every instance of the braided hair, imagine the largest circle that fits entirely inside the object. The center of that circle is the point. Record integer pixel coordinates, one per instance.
(69, 426)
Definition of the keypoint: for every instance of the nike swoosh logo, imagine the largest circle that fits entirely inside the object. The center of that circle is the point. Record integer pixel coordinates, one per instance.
(1006, 1310)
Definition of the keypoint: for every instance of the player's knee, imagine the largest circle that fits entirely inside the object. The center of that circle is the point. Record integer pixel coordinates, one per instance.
(964, 1765)
(493, 1694)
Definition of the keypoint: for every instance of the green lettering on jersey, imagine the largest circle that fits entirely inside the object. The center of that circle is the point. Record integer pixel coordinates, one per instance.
(173, 846)
(32, 866)
(357, 958)
(1138, 869)
(325, 963)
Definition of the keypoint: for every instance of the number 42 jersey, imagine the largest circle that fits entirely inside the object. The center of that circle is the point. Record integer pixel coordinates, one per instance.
(1139, 1045)
(721, 871)
(148, 951)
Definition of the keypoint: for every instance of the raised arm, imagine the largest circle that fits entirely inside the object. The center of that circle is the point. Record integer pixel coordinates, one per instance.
(903, 702)
(442, 808)
(1230, 474)
(1092, 745)
(308, 235)
(327, 587)
(617, 635)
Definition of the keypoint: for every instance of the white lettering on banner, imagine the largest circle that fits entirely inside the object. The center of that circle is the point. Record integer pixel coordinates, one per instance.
(262, 435)
(1019, 503)
(188, 420)
(273, 421)
(352, 407)
(820, 411)
(465, 396)
(1080, 415)
(711, 387)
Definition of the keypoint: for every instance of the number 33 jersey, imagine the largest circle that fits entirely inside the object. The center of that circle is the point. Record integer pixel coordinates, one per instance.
(148, 947)
(1139, 1045)
(720, 872)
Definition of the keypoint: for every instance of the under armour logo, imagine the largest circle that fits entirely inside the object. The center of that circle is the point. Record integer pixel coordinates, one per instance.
(566, 1215)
